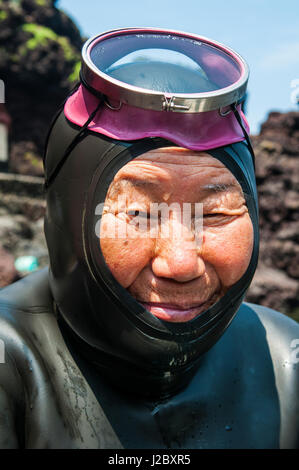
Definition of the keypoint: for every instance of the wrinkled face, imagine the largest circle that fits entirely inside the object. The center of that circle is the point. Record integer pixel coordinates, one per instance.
(175, 231)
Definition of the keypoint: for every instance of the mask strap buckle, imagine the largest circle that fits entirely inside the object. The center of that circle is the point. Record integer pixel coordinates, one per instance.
(224, 113)
(113, 108)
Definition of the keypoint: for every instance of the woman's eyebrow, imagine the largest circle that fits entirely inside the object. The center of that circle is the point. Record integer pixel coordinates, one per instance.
(139, 182)
(123, 183)
(142, 182)
(214, 188)
(210, 187)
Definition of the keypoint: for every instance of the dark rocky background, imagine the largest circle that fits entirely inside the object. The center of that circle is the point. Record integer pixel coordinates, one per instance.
(277, 171)
(39, 63)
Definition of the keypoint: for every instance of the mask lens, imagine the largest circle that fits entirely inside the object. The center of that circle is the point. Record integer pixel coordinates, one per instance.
(166, 63)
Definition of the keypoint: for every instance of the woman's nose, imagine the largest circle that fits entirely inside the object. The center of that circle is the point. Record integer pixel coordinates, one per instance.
(177, 256)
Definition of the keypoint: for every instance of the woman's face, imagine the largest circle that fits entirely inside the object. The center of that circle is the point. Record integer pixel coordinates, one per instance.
(176, 232)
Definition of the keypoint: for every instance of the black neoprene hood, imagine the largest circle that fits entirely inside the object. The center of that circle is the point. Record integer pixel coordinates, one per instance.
(111, 327)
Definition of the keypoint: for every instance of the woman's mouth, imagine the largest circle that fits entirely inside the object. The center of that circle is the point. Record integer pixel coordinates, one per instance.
(172, 313)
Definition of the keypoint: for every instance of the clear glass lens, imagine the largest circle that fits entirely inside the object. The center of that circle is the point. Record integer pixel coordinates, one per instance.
(165, 63)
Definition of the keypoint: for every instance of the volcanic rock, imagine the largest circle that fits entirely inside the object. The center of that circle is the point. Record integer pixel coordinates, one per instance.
(277, 172)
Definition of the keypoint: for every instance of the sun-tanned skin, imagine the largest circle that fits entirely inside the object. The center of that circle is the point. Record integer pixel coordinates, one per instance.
(179, 276)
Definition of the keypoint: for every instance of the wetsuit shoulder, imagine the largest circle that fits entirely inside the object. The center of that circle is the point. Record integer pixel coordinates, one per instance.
(46, 400)
(275, 323)
(20, 304)
(282, 337)
(31, 294)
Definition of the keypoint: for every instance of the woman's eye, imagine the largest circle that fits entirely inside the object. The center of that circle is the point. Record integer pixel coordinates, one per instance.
(211, 216)
(137, 213)
(217, 218)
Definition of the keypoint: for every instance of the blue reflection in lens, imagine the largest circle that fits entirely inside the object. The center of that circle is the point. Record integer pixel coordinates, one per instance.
(161, 70)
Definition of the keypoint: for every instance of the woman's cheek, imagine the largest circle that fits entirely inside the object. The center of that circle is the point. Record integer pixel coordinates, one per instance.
(126, 253)
(229, 248)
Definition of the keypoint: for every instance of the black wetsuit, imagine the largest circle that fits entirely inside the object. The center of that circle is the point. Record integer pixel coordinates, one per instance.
(244, 393)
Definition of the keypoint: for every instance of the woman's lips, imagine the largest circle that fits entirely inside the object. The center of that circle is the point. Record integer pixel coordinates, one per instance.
(172, 313)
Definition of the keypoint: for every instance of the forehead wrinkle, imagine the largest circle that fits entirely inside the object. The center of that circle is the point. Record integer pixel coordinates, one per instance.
(143, 173)
(161, 167)
(180, 156)
(153, 175)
